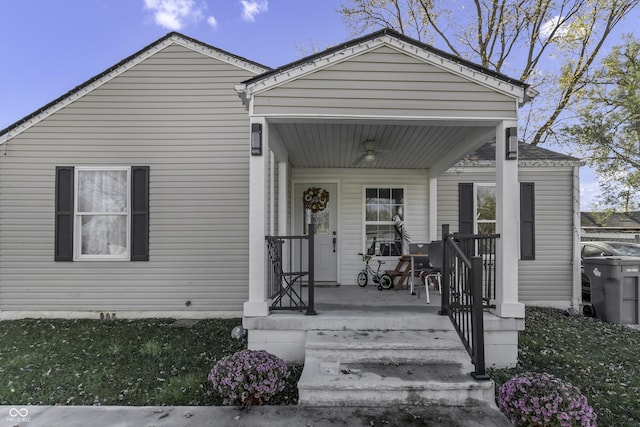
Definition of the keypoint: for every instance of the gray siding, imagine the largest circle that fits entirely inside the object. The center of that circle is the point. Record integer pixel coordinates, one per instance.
(548, 278)
(176, 112)
(388, 83)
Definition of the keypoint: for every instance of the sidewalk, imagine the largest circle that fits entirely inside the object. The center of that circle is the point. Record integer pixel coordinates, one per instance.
(270, 416)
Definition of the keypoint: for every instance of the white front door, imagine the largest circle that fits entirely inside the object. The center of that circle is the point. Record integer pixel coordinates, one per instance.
(318, 203)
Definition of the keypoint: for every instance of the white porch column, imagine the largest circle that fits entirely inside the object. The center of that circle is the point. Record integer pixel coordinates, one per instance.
(507, 220)
(258, 192)
(283, 190)
(433, 209)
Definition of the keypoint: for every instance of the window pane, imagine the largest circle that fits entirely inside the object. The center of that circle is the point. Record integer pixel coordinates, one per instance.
(372, 213)
(104, 235)
(102, 191)
(385, 213)
(388, 241)
(487, 228)
(398, 196)
(486, 209)
(321, 220)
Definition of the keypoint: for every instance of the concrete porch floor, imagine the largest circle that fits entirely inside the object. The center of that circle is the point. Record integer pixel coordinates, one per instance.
(355, 308)
(352, 308)
(354, 299)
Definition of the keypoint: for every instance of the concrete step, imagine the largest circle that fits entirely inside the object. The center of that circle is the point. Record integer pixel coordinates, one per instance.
(353, 319)
(389, 346)
(380, 384)
(389, 367)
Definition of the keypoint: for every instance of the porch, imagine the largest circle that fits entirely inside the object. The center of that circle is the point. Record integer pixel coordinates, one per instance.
(352, 308)
(370, 347)
(360, 135)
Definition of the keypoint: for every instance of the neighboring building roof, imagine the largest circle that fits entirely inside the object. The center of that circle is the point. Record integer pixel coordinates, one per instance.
(400, 41)
(610, 220)
(528, 155)
(171, 38)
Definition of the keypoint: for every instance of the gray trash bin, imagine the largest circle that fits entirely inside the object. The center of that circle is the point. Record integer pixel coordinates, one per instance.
(614, 288)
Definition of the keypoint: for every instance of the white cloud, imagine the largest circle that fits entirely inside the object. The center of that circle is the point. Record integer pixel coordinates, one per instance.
(251, 8)
(173, 14)
(568, 31)
(213, 23)
(549, 26)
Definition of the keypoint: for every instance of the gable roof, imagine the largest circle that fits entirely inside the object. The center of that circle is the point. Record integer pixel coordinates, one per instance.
(610, 220)
(117, 69)
(439, 58)
(528, 155)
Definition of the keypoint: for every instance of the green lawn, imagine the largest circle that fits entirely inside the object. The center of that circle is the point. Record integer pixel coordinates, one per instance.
(118, 362)
(601, 359)
(151, 362)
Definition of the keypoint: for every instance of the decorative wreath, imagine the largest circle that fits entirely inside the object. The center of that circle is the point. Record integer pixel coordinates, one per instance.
(315, 199)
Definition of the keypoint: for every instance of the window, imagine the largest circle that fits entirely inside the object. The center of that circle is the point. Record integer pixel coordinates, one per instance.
(102, 213)
(381, 205)
(477, 213)
(485, 209)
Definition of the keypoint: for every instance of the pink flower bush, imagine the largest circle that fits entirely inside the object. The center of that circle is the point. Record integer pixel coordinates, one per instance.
(544, 400)
(248, 377)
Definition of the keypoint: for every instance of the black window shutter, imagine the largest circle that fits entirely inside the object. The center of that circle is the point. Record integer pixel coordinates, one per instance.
(527, 221)
(465, 208)
(64, 214)
(140, 213)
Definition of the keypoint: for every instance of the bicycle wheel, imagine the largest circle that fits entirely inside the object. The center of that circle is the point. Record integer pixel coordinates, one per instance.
(386, 281)
(363, 278)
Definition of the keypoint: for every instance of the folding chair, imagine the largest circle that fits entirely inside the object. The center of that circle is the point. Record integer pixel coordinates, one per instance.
(434, 271)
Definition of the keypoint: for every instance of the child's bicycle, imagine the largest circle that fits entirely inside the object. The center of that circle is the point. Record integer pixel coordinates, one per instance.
(384, 280)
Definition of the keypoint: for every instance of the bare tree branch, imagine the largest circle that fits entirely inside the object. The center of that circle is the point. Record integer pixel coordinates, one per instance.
(513, 35)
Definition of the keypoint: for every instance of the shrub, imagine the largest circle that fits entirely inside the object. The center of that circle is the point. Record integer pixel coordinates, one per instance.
(541, 399)
(248, 377)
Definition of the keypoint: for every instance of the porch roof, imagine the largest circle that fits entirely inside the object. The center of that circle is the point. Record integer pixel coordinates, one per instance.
(399, 41)
(528, 155)
(385, 95)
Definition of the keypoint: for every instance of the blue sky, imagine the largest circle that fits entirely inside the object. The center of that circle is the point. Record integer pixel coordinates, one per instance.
(51, 46)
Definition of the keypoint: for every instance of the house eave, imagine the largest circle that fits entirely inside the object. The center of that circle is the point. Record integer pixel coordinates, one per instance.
(521, 163)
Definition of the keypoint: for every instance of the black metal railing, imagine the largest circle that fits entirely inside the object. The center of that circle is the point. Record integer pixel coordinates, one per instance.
(483, 246)
(468, 282)
(291, 270)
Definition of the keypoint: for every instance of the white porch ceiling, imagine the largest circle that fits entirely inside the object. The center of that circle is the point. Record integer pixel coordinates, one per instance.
(397, 145)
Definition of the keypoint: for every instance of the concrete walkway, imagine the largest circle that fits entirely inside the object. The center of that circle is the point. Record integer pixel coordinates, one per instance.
(197, 416)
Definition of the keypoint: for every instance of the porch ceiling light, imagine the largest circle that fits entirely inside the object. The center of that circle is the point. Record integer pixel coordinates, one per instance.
(512, 143)
(370, 156)
(256, 139)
